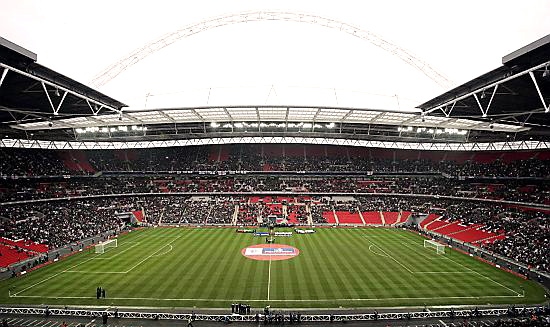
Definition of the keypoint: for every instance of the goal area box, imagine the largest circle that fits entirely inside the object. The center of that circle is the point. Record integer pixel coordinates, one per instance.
(439, 248)
(101, 247)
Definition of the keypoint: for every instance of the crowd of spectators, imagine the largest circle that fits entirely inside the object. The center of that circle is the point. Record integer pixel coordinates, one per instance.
(24, 189)
(30, 162)
(299, 212)
(23, 162)
(528, 238)
(56, 223)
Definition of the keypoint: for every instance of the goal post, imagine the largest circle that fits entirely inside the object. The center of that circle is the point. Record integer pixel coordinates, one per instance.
(101, 247)
(439, 248)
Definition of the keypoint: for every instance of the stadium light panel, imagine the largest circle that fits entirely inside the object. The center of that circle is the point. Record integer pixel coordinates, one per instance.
(214, 124)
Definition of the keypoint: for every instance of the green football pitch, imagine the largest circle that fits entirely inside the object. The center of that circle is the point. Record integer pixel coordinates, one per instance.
(204, 267)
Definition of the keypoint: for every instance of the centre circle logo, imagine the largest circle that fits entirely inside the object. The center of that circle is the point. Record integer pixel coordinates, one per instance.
(271, 252)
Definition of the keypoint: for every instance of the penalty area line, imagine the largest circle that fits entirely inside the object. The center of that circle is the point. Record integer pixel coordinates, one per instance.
(118, 253)
(165, 252)
(486, 277)
(152, 254)
(389, 256)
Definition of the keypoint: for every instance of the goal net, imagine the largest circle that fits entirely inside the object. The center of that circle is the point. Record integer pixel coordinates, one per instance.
(101, 247)
(439, 248)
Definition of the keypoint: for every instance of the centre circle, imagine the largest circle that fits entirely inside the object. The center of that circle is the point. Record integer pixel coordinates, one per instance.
(273, 252)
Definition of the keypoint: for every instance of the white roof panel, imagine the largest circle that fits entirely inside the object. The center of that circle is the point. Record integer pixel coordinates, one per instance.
(269, 114)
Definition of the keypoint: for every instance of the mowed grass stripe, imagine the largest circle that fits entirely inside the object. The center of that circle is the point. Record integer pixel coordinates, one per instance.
(143, 278)
(350, 271)
(385, 277)
(334, 266)
(438, 284)
(312, 261)
(64, 283)
(189, 255)
(389, 277)
(328, 271)
(171, 269)
(224, 260)
(460, 262)
(397, 276)
(378, 279)
(193, 260)
(232, 265)
(470, 283)
(300, 271)
(363, 265)
(331, 270)
(416, 284)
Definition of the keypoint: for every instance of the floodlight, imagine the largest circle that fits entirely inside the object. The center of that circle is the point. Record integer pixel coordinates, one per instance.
(214, 124)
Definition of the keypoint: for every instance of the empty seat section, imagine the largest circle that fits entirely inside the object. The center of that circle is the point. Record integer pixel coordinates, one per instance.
(473, 235)
(436, 224)
(431, 217)
(450, 228)
(329, 217)
(391, 217)
(346, 217)
(372, 217)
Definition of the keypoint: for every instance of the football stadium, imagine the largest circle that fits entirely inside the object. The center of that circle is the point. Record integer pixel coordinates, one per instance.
(138, 197)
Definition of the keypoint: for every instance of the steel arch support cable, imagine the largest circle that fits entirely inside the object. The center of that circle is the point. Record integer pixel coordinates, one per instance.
(141, 53)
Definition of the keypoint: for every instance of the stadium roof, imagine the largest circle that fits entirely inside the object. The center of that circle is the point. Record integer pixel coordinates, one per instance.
(516, 93)
(248, 115)
(510, 100)
(30, 92)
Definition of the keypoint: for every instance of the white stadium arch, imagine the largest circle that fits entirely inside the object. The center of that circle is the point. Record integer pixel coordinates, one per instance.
(141, 53)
